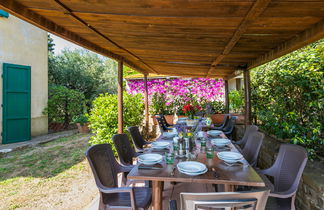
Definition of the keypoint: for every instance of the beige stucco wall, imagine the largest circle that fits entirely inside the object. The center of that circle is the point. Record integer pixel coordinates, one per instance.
(24, 44)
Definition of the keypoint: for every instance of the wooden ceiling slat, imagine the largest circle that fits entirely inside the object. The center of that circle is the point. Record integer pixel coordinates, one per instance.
(183, 38)
(312, 34)
(257, 8)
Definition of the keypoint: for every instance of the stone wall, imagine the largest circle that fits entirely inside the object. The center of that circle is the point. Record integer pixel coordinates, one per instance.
(310, 194)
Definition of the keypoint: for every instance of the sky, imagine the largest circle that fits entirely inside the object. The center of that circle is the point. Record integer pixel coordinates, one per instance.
(60, 44)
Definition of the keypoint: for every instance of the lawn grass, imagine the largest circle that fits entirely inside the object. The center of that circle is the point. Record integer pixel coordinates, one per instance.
(54, 175)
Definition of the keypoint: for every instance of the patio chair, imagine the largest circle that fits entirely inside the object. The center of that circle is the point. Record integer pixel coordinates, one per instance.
(224, 122)
(229, 127)
(137, 138)
(286, 172)
(162, 125)
(252, 147)
(251, 129)
(228, 200)
(124, 149)
(165, 121)
(126, 153)
(105, 169)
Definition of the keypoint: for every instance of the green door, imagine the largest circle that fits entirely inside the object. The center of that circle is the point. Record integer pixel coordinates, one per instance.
(15, 103)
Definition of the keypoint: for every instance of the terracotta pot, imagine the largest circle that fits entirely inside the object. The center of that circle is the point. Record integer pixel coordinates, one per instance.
(217, 118)
(83, 128)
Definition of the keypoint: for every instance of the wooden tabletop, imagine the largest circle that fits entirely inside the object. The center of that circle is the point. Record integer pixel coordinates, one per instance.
(232, 175)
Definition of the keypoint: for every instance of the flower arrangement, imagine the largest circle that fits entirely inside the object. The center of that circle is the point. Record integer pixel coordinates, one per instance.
(190, 110)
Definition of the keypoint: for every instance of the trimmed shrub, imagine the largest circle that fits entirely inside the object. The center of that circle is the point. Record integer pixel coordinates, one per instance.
(103, 116)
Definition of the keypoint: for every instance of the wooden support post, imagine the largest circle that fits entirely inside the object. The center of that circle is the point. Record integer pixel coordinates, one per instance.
(146, 101)
(226, 97)
(247, 97)
(120, 97)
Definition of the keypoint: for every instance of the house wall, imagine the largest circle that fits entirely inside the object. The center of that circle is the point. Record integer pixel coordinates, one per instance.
(24, 44)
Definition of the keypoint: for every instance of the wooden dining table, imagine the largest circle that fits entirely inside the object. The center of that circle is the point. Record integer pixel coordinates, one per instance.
(218, 173)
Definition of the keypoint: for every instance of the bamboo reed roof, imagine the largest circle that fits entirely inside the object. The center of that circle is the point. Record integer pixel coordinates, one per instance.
(196, 38)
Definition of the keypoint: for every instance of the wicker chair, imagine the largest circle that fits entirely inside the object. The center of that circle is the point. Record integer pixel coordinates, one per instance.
(252, 147)
(229, 127)
(137, 138)
(105, 169)
(162, 125)
(228, 200)
(224, 122)
(286, 172)
(251, 129)
(124, 149)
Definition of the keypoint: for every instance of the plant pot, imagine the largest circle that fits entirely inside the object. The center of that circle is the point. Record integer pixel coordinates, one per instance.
(217, 118)
(83, 128)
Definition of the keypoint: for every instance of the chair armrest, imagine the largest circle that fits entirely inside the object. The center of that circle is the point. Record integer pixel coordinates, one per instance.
(285, 194)
(130, 190)
(125, 168)
(268, 171)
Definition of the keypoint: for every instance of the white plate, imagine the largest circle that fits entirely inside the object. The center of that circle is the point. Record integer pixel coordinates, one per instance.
(214, 133)
(194, 174)
(230, 157)
(220, 142)
(169, 134)
(150, 159)
(191, 167)
(160, 144)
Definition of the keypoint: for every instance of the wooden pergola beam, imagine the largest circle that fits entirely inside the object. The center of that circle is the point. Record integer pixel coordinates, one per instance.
(258, 7)
(120, 98)
(247, 98)
(33, 18)
(68, 11)
(306, 37)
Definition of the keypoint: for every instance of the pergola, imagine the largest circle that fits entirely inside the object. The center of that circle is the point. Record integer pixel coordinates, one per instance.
(197, 38)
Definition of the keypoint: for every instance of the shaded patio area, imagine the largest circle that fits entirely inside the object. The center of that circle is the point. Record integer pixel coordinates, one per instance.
(211, 39)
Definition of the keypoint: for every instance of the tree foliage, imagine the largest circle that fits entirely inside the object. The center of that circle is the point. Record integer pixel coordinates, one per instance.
(288, 97)
(50, 44)
(84, 71)
(64, 104)
(103, 116)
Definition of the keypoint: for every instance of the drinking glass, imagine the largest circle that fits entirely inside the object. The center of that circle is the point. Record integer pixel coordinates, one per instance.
(210, 153)
(169, 158)
(203, 142)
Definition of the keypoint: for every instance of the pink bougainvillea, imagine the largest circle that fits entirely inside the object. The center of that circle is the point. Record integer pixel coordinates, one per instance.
(204, 89)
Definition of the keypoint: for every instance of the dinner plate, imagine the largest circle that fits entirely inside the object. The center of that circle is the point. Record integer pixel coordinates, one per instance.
(230, 157)
(220, 142)
(160, 145)
(194, 174)
(169, 134)
(150, 159)
(214, 133)
(191, 167)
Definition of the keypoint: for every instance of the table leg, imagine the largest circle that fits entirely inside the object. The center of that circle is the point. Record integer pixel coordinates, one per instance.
(157, 195)
(228, 188)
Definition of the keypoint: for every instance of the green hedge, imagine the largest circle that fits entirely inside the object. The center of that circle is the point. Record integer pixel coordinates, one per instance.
(288, 97)
(103, 116)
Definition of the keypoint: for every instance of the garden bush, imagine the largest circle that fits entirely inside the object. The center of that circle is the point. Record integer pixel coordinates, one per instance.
(288, 97)
(103, 116)
(236, 101)
(64, 104)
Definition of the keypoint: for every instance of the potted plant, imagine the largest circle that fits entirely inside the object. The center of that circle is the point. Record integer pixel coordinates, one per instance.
(82, 123)
(190, 111)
